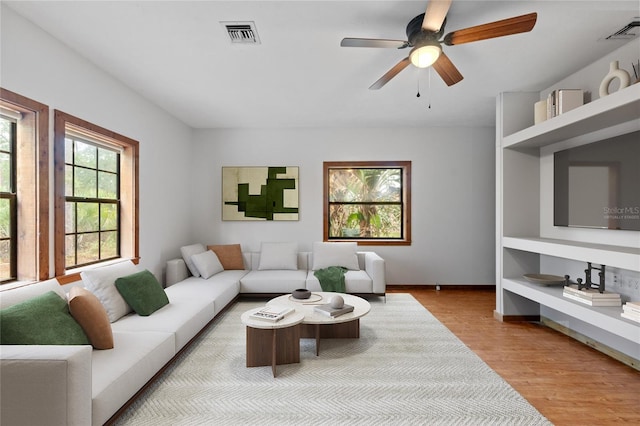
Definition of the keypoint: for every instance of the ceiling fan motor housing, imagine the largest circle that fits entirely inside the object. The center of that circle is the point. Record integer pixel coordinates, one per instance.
(417, 36)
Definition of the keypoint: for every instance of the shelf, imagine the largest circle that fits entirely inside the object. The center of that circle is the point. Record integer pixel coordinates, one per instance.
(617, 108)
(614, 256)
(524, 211)
(604, 317)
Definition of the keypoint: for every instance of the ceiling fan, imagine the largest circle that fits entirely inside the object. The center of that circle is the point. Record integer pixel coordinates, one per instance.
(424, 36)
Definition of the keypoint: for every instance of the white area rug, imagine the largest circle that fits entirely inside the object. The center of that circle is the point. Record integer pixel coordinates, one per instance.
(406, 369)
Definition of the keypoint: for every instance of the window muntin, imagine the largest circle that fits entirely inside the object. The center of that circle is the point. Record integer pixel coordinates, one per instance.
(92, 202)
(367, 202)
(8, 200)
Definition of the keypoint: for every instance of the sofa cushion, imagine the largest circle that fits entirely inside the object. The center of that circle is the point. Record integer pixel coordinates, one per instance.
(102, 282)
(42, 320)
(230, 255)
(274, 256)
(207, 264)
(282, 281)
(143, 292)
(335, 254)
(222, 288)
(187, 252)
(183, 318)
(117, 374)
(92, 317)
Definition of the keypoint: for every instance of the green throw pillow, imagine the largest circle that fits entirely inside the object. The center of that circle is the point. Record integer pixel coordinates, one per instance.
(142, 292)
(42, 320)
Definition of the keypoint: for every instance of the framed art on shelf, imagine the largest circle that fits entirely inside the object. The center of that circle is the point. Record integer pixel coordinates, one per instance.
(260, 193)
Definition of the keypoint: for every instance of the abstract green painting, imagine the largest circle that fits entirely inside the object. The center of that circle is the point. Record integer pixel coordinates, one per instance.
(260, 193)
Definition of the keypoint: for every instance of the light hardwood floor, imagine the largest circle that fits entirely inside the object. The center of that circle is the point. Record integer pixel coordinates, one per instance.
(567, 381)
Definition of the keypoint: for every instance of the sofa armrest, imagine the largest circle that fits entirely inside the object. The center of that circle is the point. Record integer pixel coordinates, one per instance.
(45, 385)
(176, 271)
(374, 266)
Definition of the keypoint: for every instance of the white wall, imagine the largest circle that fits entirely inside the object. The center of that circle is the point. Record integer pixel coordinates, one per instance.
(452, 193)
(35, 65)
(453, 179)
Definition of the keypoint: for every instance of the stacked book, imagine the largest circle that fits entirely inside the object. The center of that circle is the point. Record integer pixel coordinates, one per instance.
(631, 310)
(563, 100)
(272, 313)
(329, 311)
(591, 297)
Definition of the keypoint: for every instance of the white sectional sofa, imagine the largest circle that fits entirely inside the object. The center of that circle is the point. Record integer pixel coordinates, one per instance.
(365, 275)
(80, 385)
(370, 279)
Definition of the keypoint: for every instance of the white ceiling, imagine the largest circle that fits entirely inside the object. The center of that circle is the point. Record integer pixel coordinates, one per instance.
(178, 55)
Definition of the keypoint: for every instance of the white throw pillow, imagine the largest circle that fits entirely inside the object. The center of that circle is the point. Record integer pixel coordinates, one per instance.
(20, 294)
(102, 282)
(335, 254)
(278, 256)
(207, 263)
(187, 252)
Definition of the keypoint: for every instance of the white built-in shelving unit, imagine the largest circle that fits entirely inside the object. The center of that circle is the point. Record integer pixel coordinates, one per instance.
(524, 235)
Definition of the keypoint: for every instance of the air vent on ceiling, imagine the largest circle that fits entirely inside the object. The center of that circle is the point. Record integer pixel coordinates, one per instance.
(627, 32)
(242, 32)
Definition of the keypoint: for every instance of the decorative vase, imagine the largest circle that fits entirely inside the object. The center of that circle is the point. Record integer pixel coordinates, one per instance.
(614, 72)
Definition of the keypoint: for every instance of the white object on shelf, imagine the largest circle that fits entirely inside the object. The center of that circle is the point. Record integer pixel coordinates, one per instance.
(540, 112)
(569, 99)
(594, 302)
(614, 73)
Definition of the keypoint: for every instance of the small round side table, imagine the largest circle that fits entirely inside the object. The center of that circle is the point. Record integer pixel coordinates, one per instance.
(272, 343)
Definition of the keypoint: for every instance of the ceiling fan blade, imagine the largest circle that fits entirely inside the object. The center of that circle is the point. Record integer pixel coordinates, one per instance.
(390, 74)
(435, 14)
(447, 71)
(505, 27)
(373, 42)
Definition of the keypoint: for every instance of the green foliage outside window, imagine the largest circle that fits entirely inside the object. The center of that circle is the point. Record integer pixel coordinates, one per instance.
(92, 206)
(365, 203)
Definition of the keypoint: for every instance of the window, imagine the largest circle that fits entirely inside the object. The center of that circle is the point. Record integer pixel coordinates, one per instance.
(24, 187)
(92, 201)
(96, 186)
(368, 202)
(8, 204)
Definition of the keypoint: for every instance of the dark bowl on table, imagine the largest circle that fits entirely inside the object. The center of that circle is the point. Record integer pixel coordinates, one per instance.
(301, 293)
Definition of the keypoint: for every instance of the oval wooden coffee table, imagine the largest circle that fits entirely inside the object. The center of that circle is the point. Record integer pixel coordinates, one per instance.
(272, 343)
(315, 325)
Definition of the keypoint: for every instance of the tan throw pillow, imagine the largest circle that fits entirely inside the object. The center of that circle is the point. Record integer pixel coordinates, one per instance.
(230, 255)
(92, 317)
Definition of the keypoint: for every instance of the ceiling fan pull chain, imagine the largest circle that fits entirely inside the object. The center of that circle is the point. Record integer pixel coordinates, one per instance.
(418, 94)
(429, 92)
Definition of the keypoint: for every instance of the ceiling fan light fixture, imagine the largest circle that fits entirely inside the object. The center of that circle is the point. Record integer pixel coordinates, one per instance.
(424, 56)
